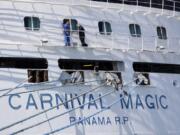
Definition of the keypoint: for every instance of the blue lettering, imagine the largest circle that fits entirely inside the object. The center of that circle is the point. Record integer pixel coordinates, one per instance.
(81, 102)
(94, 122)
(164, 106)
(101, 121)
(44, 100)
(108, 121)
(72, 101)
(63, 102)
(157, 104)
(125, 119)
(128, 103)
(121, 120)
(92, 102)
(139, 102)
(10, 102)
(101, 103)
(117, 120)
(72, 119)
(149, 104)
(80, 121)
(31, 102)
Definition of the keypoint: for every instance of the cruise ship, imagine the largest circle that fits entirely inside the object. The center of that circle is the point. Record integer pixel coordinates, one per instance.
(89, 67)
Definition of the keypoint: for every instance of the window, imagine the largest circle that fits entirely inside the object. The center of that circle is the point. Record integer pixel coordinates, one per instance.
(23, 63)
(36, 67)
(31, 23)
(161, 32)
(73, 24)
(37, 76)
(156, 67)
(101, 70)
(135, 30)
(77, 64)
(105, 28)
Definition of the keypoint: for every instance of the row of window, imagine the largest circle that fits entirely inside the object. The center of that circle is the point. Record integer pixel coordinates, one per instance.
(37, 68)
(165, 4)
(33, 23)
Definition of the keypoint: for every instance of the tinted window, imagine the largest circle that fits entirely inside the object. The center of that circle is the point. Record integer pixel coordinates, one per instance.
(88, 64)
(108, 28)
(135, 30)
(23, 63)
(161, 32)
(37, 76)
(156, 67)
(101, 28)
(104, 28)
(31, 23)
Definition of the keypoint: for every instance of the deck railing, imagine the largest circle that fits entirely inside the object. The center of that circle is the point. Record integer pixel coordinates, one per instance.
(55, 37)
(168, 4)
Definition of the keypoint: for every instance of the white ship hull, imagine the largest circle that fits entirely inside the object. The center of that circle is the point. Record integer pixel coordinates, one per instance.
(89, 108)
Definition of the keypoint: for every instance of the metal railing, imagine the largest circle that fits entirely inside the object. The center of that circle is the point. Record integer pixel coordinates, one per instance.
(55, 37)
(168, 4)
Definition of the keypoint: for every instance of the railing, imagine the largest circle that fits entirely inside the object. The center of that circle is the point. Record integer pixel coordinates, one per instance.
(144, 43)
(55, 36)
(125, 42)
(168, 4)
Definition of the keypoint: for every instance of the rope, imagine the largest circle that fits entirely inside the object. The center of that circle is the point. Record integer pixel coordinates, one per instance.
(48, 82)
(35, 115)
(43, 89)
(104, 109)
(11, 89)
(9, 126)
(54, 117)
(27, 86)
(68, 126)
(22, 130)
(50, 126)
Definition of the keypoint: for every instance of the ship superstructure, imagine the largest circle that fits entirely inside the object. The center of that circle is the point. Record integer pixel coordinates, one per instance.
(124, 81)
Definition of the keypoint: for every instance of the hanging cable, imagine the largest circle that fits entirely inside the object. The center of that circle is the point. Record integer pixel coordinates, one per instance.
(43, 89)
(27, 128)
(68, 126)
(11, 89)
(50, 126)
(35, 115)
(54, 117)
(104, 109)
(20, 86)
(48, 82)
